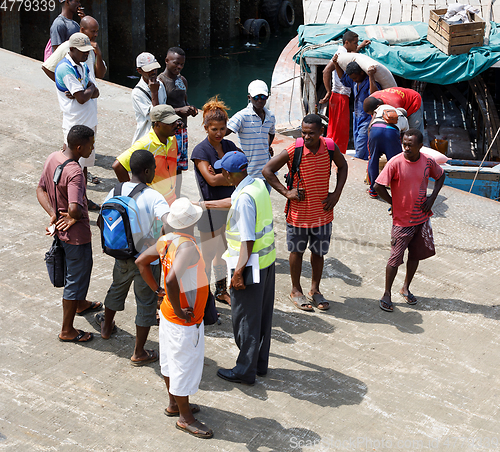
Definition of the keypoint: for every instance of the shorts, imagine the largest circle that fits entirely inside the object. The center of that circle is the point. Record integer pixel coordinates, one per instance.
(418, 239)
(124, 272)
(78, 270)
(318, 239)
(182, 149)
(182, 350)
(212, 220)
(84, 162)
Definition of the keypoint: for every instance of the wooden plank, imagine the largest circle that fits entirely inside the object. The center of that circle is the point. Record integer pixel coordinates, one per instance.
(427, 10)
(385, 12)
(406, 8)
(395, 11)
(336, 11)
(359, 15)
(496, 11)
(372, 12)
(323, 11)
(417, 12)
(348, 13)
(310, 10)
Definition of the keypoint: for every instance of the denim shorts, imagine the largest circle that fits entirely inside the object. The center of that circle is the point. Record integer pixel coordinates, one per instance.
(78, 269)
(124, 273)
(318, 239)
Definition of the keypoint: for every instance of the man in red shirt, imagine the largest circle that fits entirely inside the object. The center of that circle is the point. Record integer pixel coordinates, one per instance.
(408, 175)
(310, 213)
(398, 97)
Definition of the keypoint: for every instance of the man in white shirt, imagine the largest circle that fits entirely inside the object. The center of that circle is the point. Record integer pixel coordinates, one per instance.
(338, 94)
(150, 205)
(76, 92)
(148, 93)
(255, 127)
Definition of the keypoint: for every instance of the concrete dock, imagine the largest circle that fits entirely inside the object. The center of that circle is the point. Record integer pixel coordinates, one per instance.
(424, 377)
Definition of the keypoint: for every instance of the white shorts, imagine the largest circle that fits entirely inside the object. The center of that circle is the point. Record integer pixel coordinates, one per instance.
(182, 350)
(84, 162)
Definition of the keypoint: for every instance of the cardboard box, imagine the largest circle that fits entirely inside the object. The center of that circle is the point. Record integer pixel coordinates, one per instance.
(455, 39)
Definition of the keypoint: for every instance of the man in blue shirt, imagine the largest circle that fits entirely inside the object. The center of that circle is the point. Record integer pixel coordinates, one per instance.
(362, 85)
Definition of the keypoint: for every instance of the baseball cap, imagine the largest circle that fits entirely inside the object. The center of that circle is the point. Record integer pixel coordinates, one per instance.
(81, 42)
(163, 113)
(147, 62)
(233, 162)
(258, 87)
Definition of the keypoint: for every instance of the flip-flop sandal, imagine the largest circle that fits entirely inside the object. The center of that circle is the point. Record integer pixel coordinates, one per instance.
(222, 300)
(409, 297)
(381, 303)
(94, 306)
(301, 302)
(152, 357)
(318, 299)
(78, 338)
(99, 318)
(194, 409)
(196, 429)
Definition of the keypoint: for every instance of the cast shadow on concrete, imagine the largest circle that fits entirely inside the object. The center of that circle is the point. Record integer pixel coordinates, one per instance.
(367, 310)
(333, 268)
(285, 325)
(313, 383)
(121, 343)
(255, 433)
(440, 207)
(105, 161)
(455, 305)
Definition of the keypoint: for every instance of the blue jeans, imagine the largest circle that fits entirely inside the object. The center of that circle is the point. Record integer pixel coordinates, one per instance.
(361, 139)
(383, 140)
(78, 270)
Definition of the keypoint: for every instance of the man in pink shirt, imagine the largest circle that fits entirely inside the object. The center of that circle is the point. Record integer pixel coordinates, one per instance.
(408, 176)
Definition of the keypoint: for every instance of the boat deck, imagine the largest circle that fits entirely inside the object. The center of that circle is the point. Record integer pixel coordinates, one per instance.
(354, 12)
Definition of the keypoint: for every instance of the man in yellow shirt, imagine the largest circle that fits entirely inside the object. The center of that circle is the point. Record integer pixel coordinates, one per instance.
(161, 142)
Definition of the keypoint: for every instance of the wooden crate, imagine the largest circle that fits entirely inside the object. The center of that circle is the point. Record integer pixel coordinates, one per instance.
(454, 39)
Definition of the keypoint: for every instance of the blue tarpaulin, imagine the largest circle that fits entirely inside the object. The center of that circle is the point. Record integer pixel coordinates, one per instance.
(416, 60)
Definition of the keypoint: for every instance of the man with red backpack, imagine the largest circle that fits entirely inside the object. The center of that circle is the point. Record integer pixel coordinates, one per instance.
(309, 210)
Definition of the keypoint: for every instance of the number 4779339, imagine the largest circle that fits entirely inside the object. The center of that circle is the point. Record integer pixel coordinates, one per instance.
(28, 5)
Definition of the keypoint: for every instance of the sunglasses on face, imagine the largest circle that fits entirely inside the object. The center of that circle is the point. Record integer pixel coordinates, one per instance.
(260, 96)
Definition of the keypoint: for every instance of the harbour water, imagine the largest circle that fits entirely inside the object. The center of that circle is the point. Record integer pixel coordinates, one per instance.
(226, 71)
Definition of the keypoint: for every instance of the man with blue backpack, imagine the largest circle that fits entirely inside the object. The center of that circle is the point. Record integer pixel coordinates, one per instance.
(309, 207)
(127, 221)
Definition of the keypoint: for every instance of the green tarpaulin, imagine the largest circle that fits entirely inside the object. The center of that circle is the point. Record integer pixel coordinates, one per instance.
(416, 60)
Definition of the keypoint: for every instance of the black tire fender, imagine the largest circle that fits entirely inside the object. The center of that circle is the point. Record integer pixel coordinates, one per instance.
(286, 15)
(260, 28)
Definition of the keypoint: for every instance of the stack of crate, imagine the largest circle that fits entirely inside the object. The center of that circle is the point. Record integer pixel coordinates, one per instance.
(455, 39)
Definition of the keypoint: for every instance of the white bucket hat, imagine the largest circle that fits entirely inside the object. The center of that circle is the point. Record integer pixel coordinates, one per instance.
(183, 214)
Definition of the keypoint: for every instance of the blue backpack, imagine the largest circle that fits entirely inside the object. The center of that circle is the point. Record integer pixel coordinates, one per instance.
(119, 223)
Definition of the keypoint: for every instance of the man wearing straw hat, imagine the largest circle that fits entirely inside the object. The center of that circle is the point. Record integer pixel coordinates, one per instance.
(181, 334)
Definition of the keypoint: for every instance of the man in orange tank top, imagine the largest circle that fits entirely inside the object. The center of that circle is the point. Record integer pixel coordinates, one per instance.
(181, 335)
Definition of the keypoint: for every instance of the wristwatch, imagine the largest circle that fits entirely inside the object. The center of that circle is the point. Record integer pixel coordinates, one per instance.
(157, 291)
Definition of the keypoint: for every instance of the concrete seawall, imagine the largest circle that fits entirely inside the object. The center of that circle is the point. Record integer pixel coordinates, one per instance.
(424, 377)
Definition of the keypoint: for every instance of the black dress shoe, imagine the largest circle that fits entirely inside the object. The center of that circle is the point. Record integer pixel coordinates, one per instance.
(228, 374)
(261, 374)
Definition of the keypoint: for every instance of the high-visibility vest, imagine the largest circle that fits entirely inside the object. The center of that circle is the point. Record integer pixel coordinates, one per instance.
(264, 232)
(167, 248)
